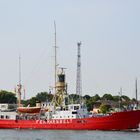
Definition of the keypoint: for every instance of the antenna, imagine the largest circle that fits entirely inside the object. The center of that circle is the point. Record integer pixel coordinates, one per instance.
(78, 80)
(120, 94)
(19, 69)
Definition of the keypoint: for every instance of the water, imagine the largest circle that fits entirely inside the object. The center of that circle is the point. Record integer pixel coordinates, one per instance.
(66, 135)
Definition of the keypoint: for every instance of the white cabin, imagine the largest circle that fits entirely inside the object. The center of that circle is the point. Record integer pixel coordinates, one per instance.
(8, 115)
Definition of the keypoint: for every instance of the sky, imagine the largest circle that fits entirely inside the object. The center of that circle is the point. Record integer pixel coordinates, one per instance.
(108, 29)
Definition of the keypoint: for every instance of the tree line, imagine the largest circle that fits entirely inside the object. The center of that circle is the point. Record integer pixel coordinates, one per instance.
(104, 102)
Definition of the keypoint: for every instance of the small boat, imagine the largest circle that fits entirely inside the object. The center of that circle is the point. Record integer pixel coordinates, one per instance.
(28, 109)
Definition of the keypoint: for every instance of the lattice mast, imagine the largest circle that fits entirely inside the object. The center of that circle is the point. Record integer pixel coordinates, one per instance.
(78, 79)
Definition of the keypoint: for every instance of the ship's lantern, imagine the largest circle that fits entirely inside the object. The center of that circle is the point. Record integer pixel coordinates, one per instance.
(61, 78)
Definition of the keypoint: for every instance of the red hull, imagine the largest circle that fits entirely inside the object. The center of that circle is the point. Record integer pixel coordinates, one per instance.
(117, 121)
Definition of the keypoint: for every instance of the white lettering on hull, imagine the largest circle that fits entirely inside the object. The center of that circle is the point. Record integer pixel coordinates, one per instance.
(54, 121)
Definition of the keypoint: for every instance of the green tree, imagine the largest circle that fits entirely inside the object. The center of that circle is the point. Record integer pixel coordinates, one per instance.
(74, 98)
(32, 101)
(125, 98)
(116, 98)
(86, 97)
(96, 98)
(25, 102)
(103, 108)
(44, 96)
(107, 97)
(133, 100)
(90, 103)
(7, 97)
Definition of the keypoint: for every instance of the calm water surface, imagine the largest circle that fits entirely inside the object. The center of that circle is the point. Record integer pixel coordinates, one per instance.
(66, 135)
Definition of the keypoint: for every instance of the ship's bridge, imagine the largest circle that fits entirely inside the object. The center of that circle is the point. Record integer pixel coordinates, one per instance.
(73, 107)
(71, 112)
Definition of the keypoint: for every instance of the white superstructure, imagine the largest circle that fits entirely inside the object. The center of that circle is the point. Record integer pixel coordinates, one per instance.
(71, 111)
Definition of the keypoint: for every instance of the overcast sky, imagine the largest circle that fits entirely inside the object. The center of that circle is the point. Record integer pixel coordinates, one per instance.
(110, 35)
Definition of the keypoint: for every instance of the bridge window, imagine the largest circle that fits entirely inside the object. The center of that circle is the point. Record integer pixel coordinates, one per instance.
(76, 107)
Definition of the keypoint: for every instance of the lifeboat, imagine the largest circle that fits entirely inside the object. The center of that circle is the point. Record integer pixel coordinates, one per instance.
(29, 109)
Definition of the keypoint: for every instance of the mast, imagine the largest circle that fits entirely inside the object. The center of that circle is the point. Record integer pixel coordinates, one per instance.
(78, 79)
(19, 86)
(55, 56)
(59, 78)
(55, 65)
(136, 91)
